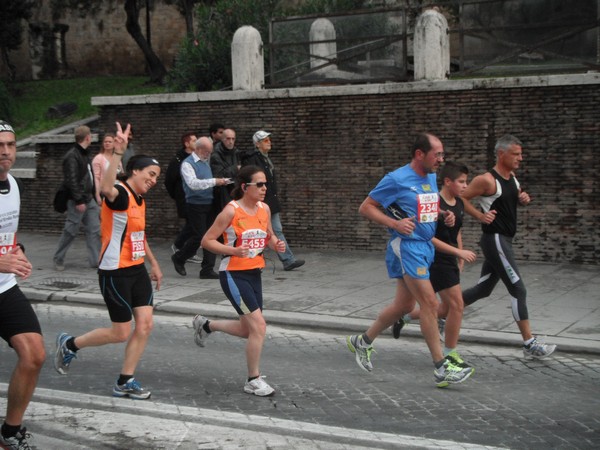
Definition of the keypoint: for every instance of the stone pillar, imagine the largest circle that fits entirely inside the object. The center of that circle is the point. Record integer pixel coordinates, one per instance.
(431, 47)
(247, 60)
(322, 30)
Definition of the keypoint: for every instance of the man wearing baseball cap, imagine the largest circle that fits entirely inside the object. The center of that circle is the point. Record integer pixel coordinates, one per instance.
(19, 325)
(259, 156)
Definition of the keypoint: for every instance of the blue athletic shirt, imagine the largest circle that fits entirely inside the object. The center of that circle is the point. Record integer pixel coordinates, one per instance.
(416, 195)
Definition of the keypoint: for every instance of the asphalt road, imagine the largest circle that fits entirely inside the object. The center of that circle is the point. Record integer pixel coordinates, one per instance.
(509, 402)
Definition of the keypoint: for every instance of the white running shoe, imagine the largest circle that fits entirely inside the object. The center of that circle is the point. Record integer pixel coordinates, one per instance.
(199, 333)
(259, 387)
(362, 354)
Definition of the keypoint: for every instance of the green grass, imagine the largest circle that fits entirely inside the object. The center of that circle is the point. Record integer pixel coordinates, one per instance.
(31, 99)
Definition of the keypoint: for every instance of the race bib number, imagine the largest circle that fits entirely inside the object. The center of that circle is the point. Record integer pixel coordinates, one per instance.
(428, 206)
(7, 242)
(138, 245)
(255, 240)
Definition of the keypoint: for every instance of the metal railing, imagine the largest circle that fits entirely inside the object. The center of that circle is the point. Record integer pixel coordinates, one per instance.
(487, 37)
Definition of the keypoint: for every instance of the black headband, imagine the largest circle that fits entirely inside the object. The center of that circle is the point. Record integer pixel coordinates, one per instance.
(144, 162)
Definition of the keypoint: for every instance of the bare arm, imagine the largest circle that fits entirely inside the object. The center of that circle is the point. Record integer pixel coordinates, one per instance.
(481, 185)
(210, 242)
(372, 211)
(15, 262)
(108, 188)
(155, 272)
(274, 242)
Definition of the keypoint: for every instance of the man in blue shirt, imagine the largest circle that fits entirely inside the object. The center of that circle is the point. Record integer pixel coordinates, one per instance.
(411, 192)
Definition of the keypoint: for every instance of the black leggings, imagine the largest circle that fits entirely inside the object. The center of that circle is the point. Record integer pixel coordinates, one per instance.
(499, 264)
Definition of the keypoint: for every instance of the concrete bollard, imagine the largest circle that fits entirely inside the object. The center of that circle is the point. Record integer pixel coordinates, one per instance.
(431, 47)
(322, 30)
(247, 60)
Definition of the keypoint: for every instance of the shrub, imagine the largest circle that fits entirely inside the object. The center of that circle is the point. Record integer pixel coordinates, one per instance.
(204, 61)
(5, 103)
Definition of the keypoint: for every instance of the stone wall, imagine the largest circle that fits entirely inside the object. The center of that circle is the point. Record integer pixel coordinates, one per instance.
(331, 145)
(100, 44)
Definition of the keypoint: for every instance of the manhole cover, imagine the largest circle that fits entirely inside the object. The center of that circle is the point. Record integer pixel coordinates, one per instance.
(63, 284)
(66, 283)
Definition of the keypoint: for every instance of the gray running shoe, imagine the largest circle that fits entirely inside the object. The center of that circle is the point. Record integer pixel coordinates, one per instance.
(538, 349)
(363, 354)
(63, 356)
(195, 260)
(450, 373)
(131, 389)
(442, 327)
(16, 442)
(199, 333)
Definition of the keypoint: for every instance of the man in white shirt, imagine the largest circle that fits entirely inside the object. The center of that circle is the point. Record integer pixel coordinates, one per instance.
(198, 183)
(19, 325)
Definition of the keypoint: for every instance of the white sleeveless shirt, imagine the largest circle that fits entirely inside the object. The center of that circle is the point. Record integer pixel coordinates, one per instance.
(10, 205)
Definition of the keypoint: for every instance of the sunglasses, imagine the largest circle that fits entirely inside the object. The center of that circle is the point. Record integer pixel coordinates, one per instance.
(258, 185)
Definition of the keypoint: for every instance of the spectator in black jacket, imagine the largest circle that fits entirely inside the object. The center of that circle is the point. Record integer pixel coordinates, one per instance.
(224, 163)
(82, 207)
(260, 157)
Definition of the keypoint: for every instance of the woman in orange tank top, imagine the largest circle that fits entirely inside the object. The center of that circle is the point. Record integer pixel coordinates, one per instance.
(124, 280)
(245, 224)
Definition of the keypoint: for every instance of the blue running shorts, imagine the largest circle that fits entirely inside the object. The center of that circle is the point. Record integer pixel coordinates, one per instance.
(409, 257)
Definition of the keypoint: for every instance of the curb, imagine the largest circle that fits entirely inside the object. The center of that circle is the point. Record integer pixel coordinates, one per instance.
(322, 322)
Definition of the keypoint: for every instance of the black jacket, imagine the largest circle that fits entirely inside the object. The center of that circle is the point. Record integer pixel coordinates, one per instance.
(224, 164)
(256, 158)
(174, 183)
(77, 173)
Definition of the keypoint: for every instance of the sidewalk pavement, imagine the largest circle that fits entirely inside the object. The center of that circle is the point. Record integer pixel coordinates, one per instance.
(341, 292)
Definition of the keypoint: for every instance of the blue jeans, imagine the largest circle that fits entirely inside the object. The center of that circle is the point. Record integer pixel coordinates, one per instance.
(286, 257)
(90, 219)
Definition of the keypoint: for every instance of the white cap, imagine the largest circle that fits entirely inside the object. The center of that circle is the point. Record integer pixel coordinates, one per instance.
(259, 136)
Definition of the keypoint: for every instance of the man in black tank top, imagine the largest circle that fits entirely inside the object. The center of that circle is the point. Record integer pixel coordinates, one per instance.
(499, 193)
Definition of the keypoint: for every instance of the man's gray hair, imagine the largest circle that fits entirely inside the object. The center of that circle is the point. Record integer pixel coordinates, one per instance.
(505, 142)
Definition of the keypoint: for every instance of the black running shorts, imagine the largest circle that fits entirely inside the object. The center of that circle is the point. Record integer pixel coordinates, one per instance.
(16, 315)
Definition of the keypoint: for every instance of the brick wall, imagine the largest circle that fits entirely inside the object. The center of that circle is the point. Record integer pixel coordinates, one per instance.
(332, 145)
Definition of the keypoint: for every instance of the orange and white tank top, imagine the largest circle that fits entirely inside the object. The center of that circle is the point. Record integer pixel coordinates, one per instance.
(123, 233)
(249, 229)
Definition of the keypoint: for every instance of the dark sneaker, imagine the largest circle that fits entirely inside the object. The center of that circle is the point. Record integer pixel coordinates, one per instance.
(259, 387)
(131, 389)
(538, 349)
(294, 265)
(397, 328)
(179, 268)
(212, 275)
(450, 373)
(16, 442)
(63, 356)
(363, 354)
(199, 333)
